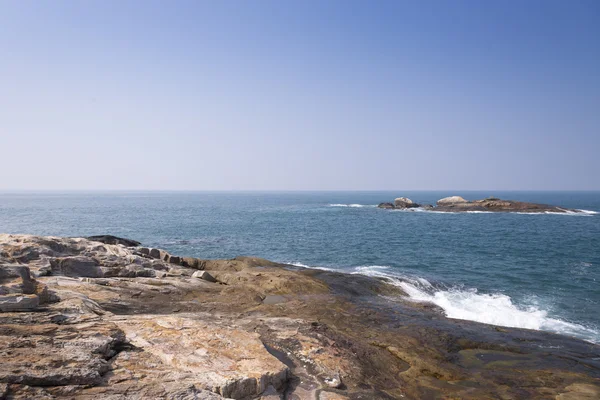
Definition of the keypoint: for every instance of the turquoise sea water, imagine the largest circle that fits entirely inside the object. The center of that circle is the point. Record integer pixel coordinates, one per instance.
(532, 271)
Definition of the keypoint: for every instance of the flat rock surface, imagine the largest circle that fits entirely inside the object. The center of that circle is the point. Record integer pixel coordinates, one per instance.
(115, 322)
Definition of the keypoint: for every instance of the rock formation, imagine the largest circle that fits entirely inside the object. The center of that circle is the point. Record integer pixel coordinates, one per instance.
(83, 319)
(450, 200)
(491, 204)
(400, 203)
(404, 202)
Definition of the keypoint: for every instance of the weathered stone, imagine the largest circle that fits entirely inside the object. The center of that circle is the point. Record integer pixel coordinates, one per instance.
(144, 250)
(17, 279)
(230, 362)
(204, 275)
(160, 274)
(77, 266)
(19, 302)
(155, 253)
(332, 396)
(189, 262)
(404, 202)
(386, 205)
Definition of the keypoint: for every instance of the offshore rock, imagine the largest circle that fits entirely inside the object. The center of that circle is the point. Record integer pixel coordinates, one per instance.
(404, 202)
(400, 203)
(450, 200)
(146, 328)
(491, 204)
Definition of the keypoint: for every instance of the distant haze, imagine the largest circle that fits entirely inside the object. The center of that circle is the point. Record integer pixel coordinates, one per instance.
(305, 95)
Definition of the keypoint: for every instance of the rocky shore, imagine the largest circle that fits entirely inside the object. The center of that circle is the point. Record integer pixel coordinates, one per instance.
(105, 317)
(490, 204)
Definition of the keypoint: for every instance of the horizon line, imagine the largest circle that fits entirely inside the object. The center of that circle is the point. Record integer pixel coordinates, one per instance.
(278, 190)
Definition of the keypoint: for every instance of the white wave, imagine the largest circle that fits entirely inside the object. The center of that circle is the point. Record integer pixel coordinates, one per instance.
(497, 309)
(420, 209)
(353, 205)
(578, 213)
(494, 309)
(299, 264)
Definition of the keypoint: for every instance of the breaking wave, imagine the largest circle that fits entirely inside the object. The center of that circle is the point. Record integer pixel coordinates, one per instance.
(299, 264)
(469, 304)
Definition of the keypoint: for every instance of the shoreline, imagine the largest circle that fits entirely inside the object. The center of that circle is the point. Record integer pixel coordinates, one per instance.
(311, 332)
(418, 289)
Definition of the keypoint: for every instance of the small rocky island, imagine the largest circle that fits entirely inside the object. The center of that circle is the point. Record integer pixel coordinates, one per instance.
(107, 318)
(490, 204)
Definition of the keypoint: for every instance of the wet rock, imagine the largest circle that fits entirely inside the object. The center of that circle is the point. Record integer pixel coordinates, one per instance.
(175, 260)
(388, 206)
(109, 239)
(155, 253)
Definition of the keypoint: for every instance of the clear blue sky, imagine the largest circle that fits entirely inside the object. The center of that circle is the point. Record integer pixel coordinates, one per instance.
(255, 95)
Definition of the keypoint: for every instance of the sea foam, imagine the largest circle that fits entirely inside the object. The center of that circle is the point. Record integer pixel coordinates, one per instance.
(495, 308)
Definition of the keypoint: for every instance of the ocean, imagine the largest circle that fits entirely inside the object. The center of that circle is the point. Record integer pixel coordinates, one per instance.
(537, 271)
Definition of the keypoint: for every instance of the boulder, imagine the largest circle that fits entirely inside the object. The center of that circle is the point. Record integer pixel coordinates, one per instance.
(204, 275)
(155, 253)
(404, 202)
(450, 200)
(174, 260)
(190, 262)
(387, 206)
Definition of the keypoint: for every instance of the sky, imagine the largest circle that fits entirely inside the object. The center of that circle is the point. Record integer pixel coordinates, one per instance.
(299, 95)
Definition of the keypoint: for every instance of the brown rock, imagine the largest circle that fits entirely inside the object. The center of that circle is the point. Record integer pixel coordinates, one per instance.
(77, 266)
(19, 302)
